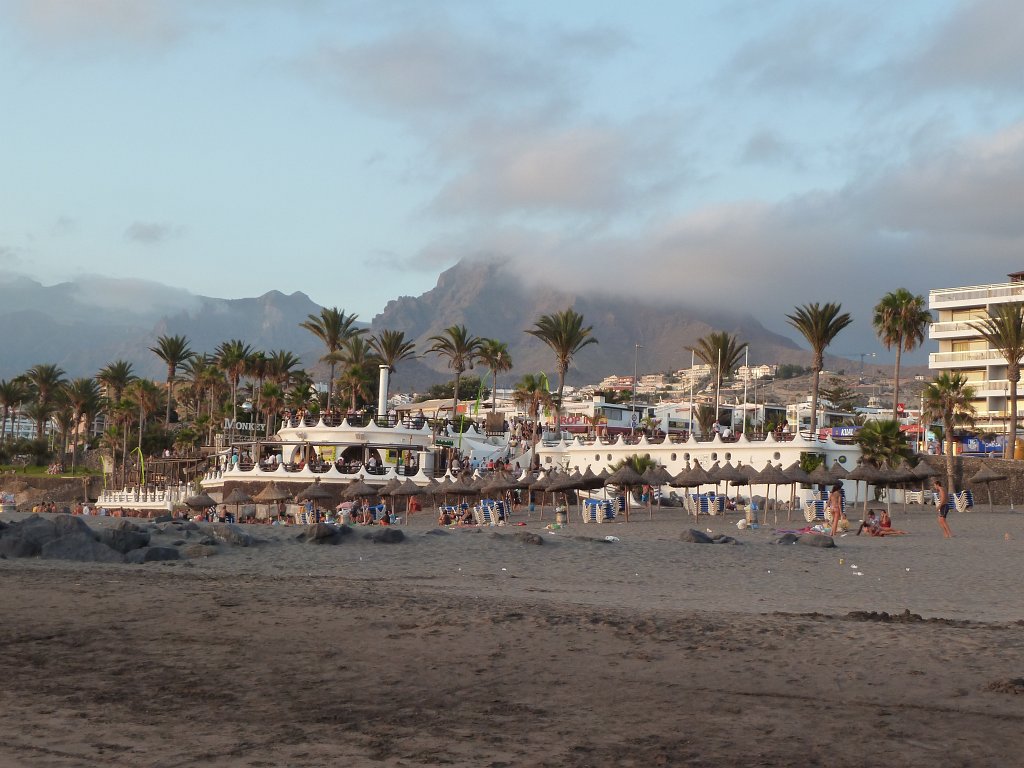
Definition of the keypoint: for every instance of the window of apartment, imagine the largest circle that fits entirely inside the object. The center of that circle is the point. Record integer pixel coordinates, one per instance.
(973, 345)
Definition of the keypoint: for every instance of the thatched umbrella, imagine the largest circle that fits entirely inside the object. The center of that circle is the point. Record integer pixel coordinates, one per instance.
(540, 484)
(272, 492)
(683, 480)
(837, 471)
(987, 476)
(923, 471)
(655, 477)
(731, 474)
(866, 472)
(565, 483)
(772, 475)
(200, 501)
(625, 477)
(820, 475)
(408, 489)
(238, 497)
(796, 474)
(359, 489)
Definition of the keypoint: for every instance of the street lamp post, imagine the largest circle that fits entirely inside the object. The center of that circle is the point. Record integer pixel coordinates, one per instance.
(632, 413)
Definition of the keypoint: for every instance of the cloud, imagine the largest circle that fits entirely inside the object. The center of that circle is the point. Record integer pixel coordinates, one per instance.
(63, 226)
(97, 23)
(577, 168)
(978, 46)
(152, 233)
(135, 296)
(10, 257)
(765, 147)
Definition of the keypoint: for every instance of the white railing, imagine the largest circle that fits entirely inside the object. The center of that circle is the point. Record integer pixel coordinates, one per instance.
(952, 328)
(973, 357)
(145, 496)
(976, 294)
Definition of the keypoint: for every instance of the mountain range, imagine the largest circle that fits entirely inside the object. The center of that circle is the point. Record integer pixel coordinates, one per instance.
(84, 324)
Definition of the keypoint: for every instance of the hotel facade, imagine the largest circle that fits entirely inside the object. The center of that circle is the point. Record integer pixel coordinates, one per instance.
(963, 350)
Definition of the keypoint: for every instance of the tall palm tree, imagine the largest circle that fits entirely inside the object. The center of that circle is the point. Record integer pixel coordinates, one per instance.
(882, 443)
(392, 347)
(359, 362)
(280, 365)
(461, 349)
(900, 320)
(1004, 330)
(45, 381)
(12, 393)
(83, 396)
(144, 396)
(273, 401)
(723, 352)
(819, 324)
(532, 393)
(333, 327)
(949, 398)
(565, 334)
(495, 355)
(233, 359)
(173, 350)
(115, 377)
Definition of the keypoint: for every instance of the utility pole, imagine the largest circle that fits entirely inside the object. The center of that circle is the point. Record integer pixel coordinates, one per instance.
(632, 413)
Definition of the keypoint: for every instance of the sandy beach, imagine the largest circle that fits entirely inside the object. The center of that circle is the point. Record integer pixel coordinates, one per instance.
(472, 648)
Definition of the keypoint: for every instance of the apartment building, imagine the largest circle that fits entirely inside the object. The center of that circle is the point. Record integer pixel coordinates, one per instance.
(963, 350)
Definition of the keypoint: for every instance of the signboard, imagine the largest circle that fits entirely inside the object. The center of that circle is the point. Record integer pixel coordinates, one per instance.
(842, 431)
(244, 426)
(444, 442)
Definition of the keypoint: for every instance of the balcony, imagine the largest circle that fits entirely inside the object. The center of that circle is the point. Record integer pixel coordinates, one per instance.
(958, 329)
(975, 295)
(992, 388)
(976, 358)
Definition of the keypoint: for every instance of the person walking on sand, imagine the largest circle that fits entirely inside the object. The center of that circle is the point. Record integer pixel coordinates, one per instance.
(835, 506)
(942, 502)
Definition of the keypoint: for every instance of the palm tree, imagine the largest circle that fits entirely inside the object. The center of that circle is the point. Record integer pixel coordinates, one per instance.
(532, 393)
(333, 327)
(461, 349)
(1004, 330)
(949, 398)
(45, 381)
(233, 358)
(882, 443)
(359, 361)
(392, 347)
(145, 397)
(722, 352)
(900, 320)
(280, 363)
(173, 350)
(12, 393)
(564, 333)
(272, 398)
(495, 355)
(115, 377)
(83, 396)
(819, 324)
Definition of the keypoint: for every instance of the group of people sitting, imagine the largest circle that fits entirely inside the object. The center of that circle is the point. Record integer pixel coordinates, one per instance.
(878, 525)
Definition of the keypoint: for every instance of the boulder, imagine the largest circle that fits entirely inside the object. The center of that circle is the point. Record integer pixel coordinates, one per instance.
(387, 535)
(152, 554)
(124, 540)
(816, 540)
(436, 532)
(64, 525)
(126, 525)
(723, 539)
(198, 550)
(321, 533)
(27, 537)
(80, 547)
(693, 536)
(229, 533)
(165, 518)
(787, 538)
(528, 537)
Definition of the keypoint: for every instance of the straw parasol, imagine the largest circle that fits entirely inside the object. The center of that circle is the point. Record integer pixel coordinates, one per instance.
(866, 472)
(314, 491)
(655, 477)
(238, 497)
(987, 476)
(772, 475)
(200, 501)
(820, 475)
(838, 471)
(272, 492)
(359, 489)
(625, 477)
(796, 474)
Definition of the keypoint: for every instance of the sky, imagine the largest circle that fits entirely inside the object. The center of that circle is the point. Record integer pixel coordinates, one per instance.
(754, 154)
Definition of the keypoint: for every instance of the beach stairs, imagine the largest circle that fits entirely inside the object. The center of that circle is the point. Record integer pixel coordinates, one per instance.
(598, 510)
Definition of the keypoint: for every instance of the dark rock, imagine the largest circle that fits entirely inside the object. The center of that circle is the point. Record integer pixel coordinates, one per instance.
(178, 543)
(68, 524)
(723, 539)
(27, 537)
(387, 535)
(198, 550)
(816, 540)
(80, 547)
(436, 532)
(787, 538)
(693, 536)
(126, 525)
(152, 554)
(166, 518)
(208, 541)
(322, 533)
(124, 540)
(229, 533)
(528, 537)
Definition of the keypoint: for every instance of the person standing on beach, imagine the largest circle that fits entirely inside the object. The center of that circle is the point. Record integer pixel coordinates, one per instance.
(942, 502)
(835, 506)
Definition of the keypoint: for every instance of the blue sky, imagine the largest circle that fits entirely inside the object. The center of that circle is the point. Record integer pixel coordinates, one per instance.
(759, 154)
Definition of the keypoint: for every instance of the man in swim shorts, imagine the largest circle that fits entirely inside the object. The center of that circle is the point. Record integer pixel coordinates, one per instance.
(942, 502)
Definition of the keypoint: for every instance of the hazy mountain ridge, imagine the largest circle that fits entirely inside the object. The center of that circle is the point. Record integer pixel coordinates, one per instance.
(83, 326)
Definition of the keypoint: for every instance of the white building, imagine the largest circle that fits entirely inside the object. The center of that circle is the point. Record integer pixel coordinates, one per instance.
(963, 350)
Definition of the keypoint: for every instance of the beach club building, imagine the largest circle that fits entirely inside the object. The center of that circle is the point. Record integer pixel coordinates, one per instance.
(963, 350)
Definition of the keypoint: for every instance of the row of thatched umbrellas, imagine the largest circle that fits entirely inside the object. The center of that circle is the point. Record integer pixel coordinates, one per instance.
(625, 478)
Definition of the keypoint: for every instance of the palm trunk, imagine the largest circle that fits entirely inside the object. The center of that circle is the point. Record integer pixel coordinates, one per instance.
(455, 396)
(558, 405)
(170, 393)
(494, 391)
(1013, 374)
(330, 390)
(74, 446)
(896, 379)
(814, 397)
(948, 426)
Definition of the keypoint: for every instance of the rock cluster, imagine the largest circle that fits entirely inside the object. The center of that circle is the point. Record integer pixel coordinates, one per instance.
(693, 536)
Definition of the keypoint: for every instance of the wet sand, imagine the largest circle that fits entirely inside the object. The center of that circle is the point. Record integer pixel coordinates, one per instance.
(474, 649)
